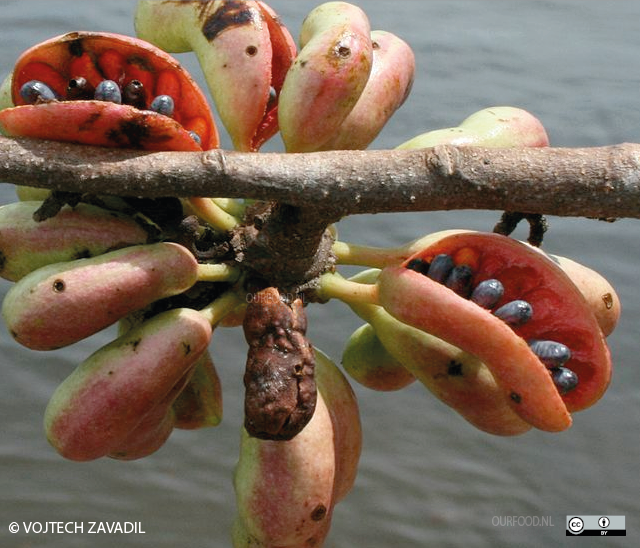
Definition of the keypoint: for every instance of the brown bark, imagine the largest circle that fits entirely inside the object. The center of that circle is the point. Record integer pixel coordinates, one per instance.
(592, 182)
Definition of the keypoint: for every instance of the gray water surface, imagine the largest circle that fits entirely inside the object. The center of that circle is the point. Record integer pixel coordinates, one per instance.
(427, 478)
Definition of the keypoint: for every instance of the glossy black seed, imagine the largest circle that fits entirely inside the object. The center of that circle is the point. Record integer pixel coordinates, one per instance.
(440, 268)
(564, 379)
(195, 137)
(551, 353)
(460, 279)
(133, 94)
(419, 265)
(35, 91)
(515, 313)
(488, 293)
(108, 90)
(163, 104)
(78, 89)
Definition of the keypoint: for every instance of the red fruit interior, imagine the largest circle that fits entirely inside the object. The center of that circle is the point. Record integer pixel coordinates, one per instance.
(284, 52)
(560, 312)
(100, 56)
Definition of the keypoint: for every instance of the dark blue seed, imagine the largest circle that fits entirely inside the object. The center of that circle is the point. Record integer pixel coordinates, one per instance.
(163, 104)
(419, 265)
(35, 91)
(459, 280)
(515, 312)
(108, 90)
(564, 379)
(440, 268)
(551, 353)
(195, 137)
(488, 293)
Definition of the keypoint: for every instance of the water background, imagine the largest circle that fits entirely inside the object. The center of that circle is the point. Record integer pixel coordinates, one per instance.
(427, 478)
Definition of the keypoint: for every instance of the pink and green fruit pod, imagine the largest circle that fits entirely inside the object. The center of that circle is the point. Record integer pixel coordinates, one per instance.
(500, 126)
(79, 232)
(118, 402)
(387, 88)
(63, 303)
(327, 77)
(286, 490)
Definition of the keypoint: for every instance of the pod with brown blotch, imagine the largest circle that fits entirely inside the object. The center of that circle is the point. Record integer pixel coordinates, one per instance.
(96, 409)
(387, 88)
(366, 360)
(597, 291)
(345, 416)
(80, 232)
(199, 404)
(500, 126)
(244, 51)
(284, 489)
(455, 377)
(327, 78)
(63, 303)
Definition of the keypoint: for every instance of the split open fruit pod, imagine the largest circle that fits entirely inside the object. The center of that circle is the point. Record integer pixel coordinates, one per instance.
(516, 310)
(107, 90)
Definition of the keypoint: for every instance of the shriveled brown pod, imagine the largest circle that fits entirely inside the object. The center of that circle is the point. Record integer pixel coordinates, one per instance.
(280, 388)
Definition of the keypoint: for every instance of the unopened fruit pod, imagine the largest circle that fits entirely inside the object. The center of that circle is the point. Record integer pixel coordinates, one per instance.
(367, 361)
(63, 303)
(387, 88)
(125, 386)
(327, 77)
(342, 403)
(80, 232)
(284, 489)
(500, 126)
(199, 404)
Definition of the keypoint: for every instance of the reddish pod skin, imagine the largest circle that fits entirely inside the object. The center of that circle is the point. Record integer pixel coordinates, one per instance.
(328, 76)
(118, 401)
(199, 404)
(63, 303)
(560, 313)
(99, 56)
(82, 231)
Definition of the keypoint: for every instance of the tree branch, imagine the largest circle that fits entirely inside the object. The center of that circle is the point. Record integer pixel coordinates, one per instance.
(591, 182)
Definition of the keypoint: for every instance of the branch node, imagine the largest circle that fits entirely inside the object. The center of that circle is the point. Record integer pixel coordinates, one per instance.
(444, 158)
(215, 157)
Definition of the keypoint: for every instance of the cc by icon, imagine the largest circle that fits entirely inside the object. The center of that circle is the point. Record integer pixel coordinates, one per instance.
(576, 525)
(604, 522)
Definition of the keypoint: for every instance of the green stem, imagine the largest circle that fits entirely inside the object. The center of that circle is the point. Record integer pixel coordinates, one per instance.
(213, 214)
(217, 273)
(362, 255)
(223, 305)
(334, 286)
(232, 206)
